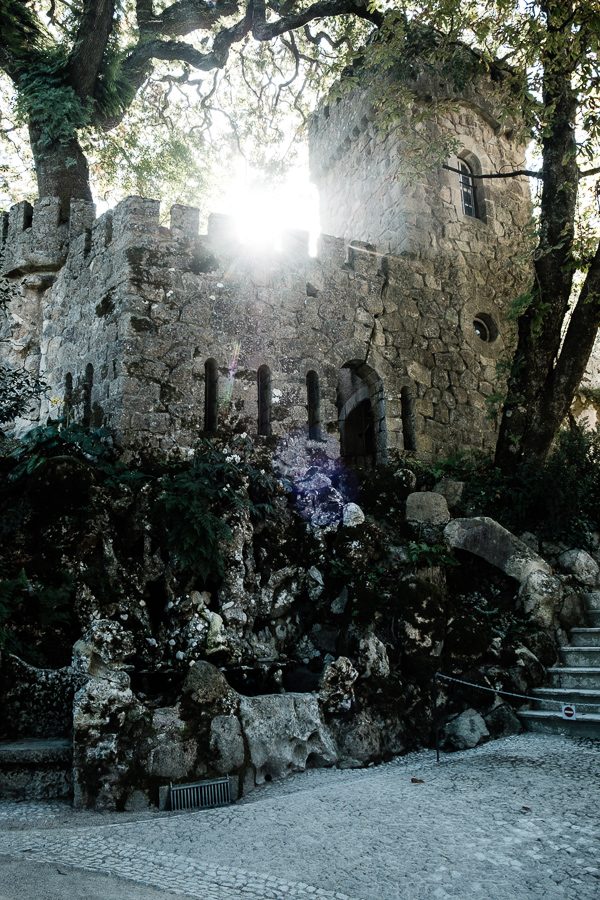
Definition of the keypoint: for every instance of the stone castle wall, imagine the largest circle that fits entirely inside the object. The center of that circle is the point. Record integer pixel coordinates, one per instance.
(128, 313)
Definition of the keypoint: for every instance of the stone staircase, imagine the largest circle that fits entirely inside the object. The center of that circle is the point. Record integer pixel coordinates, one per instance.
(576, 682)
(36, 769)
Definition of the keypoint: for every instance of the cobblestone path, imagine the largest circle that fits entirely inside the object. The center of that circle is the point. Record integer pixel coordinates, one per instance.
(517, 818)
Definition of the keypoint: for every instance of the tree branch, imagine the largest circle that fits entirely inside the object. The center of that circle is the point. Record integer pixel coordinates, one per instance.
(514, 174)
(266, 31)
(95, 27)
(579, 338)
(182, 17)
(186, 16)
(21, 35)
(138, 64)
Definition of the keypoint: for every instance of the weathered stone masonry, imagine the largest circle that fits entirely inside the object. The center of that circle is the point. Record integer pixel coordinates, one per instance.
(162, 334)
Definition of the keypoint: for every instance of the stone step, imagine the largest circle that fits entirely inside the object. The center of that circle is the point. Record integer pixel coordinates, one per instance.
(581, 656)
(593, 617)
(585, 637)
(552, 700)
(579, 677)
(592, 600)
(541, 720)
(36, 769)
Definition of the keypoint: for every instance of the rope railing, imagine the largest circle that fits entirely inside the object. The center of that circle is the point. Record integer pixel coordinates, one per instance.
(439, 676)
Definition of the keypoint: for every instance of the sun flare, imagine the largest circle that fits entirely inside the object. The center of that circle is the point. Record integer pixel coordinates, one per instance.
(263, 212)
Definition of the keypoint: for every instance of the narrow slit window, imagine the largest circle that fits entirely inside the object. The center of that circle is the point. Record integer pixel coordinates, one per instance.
(68, 400)
(264, 400)
(211, 395)
(313, 397)
(467, 190)
(408, 419)
(88, 383)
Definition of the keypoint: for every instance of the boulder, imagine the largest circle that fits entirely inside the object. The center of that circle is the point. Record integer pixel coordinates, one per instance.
(215, 637)
(338, 605)
(226, 744)
(358, 738)
(327, 509)
(531, 539)
(485, 538)
(105, 642)
(572, 610)
(336, 693)
(314, 482)
(111, 731)
(464, 731)
(285, 733)
(352, 515)
(540, 597)
(581, 565)
(205, 690)
(452, 490)
(502, 720)
(426, 508)
(316, 585)
(373, 657)
(172, 755)
(525, 673)
(405, 479)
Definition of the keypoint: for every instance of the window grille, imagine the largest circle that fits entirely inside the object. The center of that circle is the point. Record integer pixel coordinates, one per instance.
(467, 190)
(201, 795)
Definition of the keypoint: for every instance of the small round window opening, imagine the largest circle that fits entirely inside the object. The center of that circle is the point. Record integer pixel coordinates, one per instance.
(485, 328)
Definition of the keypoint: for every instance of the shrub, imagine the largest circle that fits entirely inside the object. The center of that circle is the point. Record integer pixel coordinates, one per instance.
(559, 500)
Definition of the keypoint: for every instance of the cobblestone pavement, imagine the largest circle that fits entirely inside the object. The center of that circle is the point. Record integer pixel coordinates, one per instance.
(516, 818)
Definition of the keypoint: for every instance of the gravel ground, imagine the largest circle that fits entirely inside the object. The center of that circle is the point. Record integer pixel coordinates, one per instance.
(513, 819)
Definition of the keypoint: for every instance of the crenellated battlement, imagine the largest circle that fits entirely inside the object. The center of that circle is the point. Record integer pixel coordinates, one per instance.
(34, 239)
(163, 334)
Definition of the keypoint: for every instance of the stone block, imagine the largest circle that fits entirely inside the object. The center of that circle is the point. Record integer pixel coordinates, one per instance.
(185, 221)
(425, 508)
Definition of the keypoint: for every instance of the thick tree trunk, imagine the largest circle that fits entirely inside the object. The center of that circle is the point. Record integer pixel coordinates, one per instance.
(61, 169)
(537, 398)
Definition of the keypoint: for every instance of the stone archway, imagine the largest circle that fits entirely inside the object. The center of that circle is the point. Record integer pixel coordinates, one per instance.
(361, 414)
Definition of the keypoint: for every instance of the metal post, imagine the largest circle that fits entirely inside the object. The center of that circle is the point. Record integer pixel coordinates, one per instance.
(436, 729)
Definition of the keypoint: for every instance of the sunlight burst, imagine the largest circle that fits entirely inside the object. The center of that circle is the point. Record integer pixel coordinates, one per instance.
(262, 212)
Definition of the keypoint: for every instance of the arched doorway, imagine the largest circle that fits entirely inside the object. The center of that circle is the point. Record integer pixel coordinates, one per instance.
(361, 415)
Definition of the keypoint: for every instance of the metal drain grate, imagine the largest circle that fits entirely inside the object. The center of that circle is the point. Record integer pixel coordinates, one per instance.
(201, 795)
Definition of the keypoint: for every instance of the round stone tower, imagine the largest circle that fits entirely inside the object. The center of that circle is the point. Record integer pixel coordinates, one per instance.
(408, 185)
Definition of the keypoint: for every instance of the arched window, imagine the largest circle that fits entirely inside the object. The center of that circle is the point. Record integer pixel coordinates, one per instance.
(313, 405)
(409, 434)
(211, 395)
(86, 391)
(68, 399)
(264, 400)
(467, 190)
